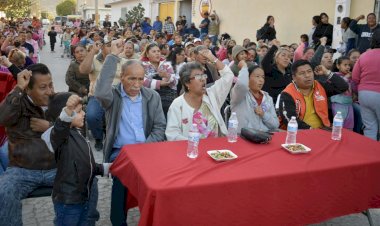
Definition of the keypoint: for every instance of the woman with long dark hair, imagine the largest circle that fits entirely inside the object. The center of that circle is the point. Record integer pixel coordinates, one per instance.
(177, 59)
(267, 32)
(323, 29)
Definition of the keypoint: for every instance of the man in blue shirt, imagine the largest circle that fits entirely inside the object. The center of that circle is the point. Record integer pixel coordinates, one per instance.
(133, 113)
(204, 26)
(145, 25)
(157, 25)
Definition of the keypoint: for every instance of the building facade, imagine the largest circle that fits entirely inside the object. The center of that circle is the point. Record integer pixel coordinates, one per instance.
(242, 18)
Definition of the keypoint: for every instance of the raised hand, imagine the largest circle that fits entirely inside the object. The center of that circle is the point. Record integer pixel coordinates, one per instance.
(208, 54)
(4, 61)
(117, 47)
(323, 41)
(96, 47)
(321, 70)
(277, 43)
(72, 103)
(242, 64)
(23, 78)
(361, 17)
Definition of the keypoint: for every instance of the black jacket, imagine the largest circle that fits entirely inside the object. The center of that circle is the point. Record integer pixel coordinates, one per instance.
(323, 30)
(335, 85)
(275, 80)
(266, 33)
(76, 166)
(52, 35)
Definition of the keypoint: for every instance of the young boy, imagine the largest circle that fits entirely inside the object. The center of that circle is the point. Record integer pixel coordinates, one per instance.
(76, 167)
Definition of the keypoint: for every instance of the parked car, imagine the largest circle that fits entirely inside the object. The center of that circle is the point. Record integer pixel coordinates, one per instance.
(45, 21)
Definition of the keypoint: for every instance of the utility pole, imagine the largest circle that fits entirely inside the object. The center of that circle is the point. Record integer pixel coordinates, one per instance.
(96, 12)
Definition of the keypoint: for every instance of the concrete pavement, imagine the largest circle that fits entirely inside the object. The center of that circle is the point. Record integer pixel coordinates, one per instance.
(40, 212)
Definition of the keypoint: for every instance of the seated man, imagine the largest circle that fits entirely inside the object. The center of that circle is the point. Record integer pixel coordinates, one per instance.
(306, 98)
(133, 113)
(31, 164)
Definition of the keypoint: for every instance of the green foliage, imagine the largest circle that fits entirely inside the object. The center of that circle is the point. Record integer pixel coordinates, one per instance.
(66, 7)
(15, 8)
(122, 22)
(45, 15)
(136, 13)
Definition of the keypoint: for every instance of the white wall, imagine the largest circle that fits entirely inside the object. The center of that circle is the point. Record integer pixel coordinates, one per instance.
(116, 8)
(102, 13)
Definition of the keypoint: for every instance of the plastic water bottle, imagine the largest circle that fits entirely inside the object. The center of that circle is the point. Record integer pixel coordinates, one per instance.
(232, 128)
(337, 126)
(193, 141)
(291, 137)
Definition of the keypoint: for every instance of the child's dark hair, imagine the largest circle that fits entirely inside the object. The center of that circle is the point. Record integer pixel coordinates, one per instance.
(352, 51)
(338, 62)
(305, 37)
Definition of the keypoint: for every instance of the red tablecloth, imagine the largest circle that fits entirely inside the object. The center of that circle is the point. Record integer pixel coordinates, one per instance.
(265, 185)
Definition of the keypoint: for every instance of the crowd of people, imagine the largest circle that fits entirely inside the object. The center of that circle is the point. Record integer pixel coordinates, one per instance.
(150, 83)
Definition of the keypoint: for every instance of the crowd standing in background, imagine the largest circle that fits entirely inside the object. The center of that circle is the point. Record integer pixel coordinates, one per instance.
(149, 82)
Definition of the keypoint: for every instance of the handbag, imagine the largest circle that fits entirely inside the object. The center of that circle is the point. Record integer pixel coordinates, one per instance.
(256, 136)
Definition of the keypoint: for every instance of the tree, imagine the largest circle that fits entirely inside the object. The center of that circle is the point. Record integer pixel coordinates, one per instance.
(15, 8)
(136, 13)
(66, 7)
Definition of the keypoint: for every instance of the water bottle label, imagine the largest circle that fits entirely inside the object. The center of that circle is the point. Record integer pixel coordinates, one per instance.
(194, 137)
(232, 124)
(292, 128)
(338, 123)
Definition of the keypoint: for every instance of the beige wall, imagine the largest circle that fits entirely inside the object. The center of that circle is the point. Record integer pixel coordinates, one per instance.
(359, 7)
(241, 18)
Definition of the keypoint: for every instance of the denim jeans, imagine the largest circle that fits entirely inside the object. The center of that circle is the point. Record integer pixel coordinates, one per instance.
(118, 214)
(202, 36)
(16, 183)
(370, 111)
(214, 40)
(4, 157)
(70, 215)
(94, 116)
(357, 118)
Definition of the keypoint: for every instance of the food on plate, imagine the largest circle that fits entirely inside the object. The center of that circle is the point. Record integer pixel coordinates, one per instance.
(222, 155)
(295, 147)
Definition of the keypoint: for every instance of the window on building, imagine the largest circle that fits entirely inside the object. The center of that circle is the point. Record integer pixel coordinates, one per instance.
(124, 11)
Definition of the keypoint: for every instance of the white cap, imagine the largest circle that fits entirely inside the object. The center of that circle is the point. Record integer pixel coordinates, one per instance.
(197, 40)
(188, 43)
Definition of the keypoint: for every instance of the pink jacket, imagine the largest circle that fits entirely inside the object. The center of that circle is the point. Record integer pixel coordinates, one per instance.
(366, 72)
(299, 52)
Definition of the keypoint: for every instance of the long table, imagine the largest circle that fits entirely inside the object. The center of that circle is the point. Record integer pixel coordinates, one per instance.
(265, 185)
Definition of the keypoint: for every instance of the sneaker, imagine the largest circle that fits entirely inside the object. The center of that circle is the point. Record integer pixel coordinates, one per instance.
(98, 144)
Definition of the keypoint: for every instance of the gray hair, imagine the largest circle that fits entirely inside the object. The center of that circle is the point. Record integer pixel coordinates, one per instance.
(199, 48)
(129, 63)
(185, 73)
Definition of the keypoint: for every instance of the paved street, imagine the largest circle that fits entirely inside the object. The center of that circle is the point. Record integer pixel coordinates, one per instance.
(39, 211)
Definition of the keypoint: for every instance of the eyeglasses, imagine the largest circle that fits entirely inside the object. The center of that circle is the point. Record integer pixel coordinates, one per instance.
(199, 77)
